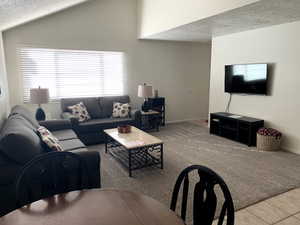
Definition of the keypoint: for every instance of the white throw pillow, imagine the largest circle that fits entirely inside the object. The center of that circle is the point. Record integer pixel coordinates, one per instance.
(121, 110)
(49, 139)
(80, 112)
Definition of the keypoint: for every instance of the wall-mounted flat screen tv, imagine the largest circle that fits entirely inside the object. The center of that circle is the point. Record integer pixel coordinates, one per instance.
(246, 78)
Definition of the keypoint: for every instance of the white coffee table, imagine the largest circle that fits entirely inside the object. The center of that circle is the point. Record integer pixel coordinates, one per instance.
(135, 150)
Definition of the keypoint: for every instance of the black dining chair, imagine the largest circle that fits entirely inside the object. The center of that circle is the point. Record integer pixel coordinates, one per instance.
(205, 199)
(50, 174)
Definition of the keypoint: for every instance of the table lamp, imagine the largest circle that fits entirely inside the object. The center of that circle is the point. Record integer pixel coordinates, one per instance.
(39, 96)
(145, 91)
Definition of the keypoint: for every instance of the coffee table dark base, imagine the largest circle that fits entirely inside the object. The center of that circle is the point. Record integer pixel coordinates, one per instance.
(136, 158)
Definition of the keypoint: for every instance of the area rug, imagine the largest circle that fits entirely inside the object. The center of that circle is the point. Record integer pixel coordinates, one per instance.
(251, 175)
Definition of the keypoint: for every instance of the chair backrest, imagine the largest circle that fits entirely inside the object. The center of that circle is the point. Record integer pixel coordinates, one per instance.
(49, 174)
(205, 198)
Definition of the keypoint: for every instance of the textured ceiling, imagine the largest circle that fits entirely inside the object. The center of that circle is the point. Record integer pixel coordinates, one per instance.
(15, 12)
(261, 14)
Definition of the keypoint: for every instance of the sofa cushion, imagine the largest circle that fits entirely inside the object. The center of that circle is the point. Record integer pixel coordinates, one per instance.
(97, 125)
(56, 124)
(106, 103)
(91, 138)
(62, 135)
(29, 116)
(68, 145)
(92, 105)
(18, 141)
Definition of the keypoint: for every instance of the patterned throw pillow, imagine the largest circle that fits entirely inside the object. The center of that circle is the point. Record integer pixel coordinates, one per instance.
(80, 112)
(48, 138)
(121, 110)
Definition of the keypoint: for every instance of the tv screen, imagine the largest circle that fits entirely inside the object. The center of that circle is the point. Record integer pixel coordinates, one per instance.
(246, 78)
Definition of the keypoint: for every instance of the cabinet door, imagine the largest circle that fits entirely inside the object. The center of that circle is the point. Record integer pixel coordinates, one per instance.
(244, 133)
(214, 127)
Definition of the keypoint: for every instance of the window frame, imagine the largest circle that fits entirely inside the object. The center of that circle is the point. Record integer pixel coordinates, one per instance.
(57, 98)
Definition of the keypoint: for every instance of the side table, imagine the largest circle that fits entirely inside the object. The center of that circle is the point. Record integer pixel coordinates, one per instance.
(150, 120)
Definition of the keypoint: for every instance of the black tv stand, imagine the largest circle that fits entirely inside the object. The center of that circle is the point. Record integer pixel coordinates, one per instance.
(235, 127)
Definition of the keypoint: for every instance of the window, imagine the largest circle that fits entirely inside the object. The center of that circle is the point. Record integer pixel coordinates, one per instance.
(72, 73)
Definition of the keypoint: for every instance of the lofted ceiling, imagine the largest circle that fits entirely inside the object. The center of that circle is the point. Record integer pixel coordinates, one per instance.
(16, 12)
(257, 15)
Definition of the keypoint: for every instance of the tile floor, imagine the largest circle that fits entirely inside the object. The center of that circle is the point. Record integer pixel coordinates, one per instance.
(283, 209)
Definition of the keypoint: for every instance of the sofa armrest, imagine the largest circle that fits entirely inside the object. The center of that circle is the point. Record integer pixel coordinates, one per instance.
(69, 116)
(54, 125)
(93, 161)
(137, 116)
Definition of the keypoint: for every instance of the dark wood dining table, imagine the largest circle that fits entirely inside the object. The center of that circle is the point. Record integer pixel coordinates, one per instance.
(94, 207)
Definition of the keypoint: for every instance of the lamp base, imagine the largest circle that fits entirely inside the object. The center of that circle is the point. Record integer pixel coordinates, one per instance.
(40, 114)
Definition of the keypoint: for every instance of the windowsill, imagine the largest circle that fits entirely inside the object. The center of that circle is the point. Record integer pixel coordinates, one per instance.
(50, 102)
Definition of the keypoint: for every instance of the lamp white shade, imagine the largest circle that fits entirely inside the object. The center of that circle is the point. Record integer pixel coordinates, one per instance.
(145, 91)
(39, 95)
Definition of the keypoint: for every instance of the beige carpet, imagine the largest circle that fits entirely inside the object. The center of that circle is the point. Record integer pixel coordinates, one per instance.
(251, 175)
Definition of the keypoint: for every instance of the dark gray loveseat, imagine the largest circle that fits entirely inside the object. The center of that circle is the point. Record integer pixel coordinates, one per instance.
(19, 143)
(100, 110)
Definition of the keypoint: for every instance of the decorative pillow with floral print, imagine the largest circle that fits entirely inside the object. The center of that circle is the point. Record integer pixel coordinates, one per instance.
(49, 139)
(121, 110)
(80, 112)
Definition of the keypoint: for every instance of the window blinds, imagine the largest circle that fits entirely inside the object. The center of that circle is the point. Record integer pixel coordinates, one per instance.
(72, 73)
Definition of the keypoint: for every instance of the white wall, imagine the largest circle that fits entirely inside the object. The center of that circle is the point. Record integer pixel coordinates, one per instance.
(180, 71)
(157, 16)
(278, 45)
(4, 99)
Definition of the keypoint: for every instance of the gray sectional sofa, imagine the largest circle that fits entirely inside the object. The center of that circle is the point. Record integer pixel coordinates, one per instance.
(100, 110)
(19, 143)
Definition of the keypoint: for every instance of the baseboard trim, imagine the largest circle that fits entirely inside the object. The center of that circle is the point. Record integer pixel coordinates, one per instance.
(284, 148)
(291, 150)
(185, 120)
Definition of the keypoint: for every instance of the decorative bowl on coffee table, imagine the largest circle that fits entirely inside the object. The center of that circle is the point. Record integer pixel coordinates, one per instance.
(124, 129)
